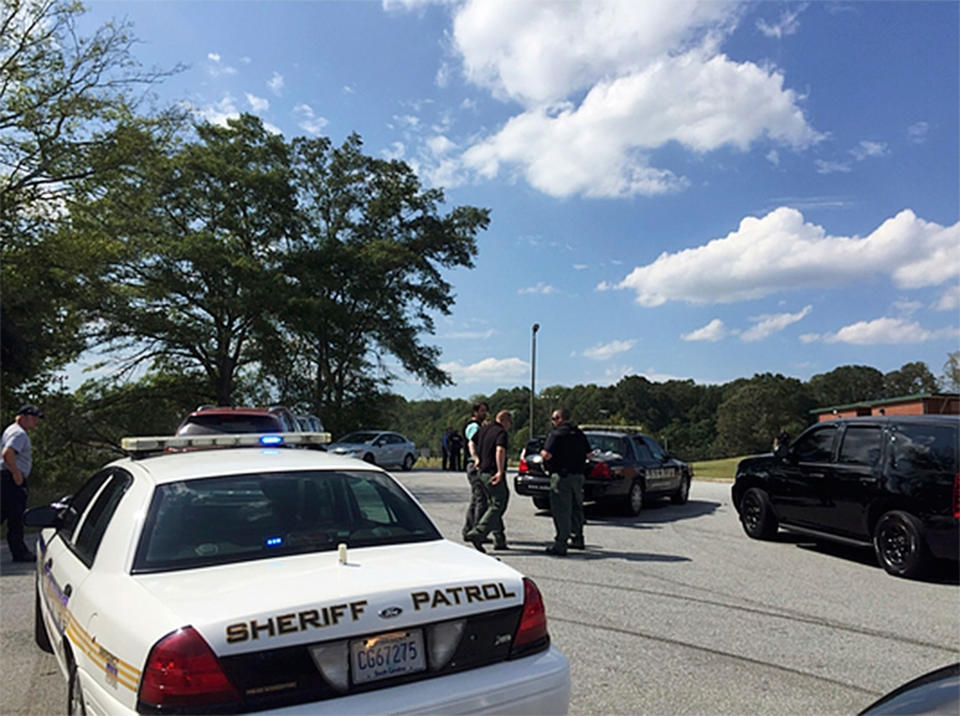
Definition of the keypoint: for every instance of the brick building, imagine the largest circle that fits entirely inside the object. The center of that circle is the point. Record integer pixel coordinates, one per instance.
(919, 404)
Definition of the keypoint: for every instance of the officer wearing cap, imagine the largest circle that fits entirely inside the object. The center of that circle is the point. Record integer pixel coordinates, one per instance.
(564, 455)
(17, 461)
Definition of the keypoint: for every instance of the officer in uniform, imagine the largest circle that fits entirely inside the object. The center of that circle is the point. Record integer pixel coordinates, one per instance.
(17, 459)
(491, 447)
(564, 455)
(478, 496)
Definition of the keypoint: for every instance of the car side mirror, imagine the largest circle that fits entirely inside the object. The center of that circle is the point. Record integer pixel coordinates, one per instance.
(45, 516)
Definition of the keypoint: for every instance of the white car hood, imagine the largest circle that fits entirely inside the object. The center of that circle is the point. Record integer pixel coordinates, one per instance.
(271, 603)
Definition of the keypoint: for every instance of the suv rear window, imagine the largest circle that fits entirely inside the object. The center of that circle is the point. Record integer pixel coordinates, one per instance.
(925, 448)
(198, 523)
(210, 424)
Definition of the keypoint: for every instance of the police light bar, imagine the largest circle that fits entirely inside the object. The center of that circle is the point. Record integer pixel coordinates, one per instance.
(182, 442)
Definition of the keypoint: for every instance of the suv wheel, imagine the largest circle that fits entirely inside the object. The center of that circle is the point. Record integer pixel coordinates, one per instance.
(682, 494)
(541, 503)
(899, 544)
(408, 462)
(756, 514)
(635, 498)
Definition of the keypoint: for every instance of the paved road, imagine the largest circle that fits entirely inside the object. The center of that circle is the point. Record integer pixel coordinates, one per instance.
(674, 611)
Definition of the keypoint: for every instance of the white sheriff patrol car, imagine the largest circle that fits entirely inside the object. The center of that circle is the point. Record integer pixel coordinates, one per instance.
(277, 580)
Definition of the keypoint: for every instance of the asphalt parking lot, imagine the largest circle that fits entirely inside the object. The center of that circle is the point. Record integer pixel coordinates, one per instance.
(673, 611)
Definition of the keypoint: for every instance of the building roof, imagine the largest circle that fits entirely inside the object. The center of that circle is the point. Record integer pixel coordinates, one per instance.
(885, 401)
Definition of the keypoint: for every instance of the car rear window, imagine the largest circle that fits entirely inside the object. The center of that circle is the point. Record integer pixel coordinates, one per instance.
(925, 448)
(210, 424)
(196, 523)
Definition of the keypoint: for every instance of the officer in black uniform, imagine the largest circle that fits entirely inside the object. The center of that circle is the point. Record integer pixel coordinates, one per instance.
(564, 456)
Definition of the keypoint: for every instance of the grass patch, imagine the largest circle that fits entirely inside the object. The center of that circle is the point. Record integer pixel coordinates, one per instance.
(725, 469)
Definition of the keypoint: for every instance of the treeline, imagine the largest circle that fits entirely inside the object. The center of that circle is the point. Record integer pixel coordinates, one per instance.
(694, 421)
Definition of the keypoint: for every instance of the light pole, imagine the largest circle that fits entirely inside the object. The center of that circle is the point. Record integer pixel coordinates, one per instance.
(533, 370)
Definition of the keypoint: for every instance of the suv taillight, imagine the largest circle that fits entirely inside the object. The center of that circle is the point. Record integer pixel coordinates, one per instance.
(956, 496)
(523, 468)
(532, 631)
(601, 469)
(182, 670)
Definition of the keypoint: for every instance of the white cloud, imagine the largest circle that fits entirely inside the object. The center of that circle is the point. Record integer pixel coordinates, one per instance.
(614, 373)
(831, 167)
(713, 331)
(917, 132)
(580, 267)
(219, 113)
(498, 369)
(406, 121)
(603, 84)
(275, 83)
(788, 24)
(349, 89)
(541, 287)
(396, 151)
(599, 147)
(907, 308)
(213, 57)
(606, 351)
(308, 120)
(868, 149)
(489, 333)
(773, 156)
(258, 104)
(950, 300)
(780, 252)
(809, 337)
(886, 331)
(766, 325)
(440, 145)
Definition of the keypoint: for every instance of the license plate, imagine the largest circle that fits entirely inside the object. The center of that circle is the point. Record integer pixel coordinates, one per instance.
(386, 655)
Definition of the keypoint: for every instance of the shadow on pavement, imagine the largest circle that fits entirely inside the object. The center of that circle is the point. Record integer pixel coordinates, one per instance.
(592, 552)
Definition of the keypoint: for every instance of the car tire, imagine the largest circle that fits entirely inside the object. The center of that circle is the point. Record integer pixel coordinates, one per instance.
(40, 628)
(682, 494)
(369, 458)
(541, 503)
(899, 544)
(635, 498)
(408, 462)
(75, 706)
(757, 515)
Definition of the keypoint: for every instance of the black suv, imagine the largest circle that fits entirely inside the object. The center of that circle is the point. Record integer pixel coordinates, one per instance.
(890, 482)
(626, 469)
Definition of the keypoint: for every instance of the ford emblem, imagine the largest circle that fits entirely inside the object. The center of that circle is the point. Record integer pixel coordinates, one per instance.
(390, 612)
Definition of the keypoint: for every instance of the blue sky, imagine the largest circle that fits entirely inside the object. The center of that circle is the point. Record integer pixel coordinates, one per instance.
(678, 190)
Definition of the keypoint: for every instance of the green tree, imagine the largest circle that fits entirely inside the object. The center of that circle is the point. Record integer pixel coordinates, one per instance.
(950, 380)
(847, 384)
(910, 379)
(197, 246)
(63, 94)
(365, 275)
(754, 412)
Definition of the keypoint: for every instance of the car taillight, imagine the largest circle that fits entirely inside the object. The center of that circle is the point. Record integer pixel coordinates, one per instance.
(182, 670)
(532, 631)
(956, 496)
(600, 469)
(523, 468)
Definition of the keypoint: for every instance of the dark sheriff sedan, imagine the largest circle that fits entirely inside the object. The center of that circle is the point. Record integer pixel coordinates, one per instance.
(625, 469)
(887, 482)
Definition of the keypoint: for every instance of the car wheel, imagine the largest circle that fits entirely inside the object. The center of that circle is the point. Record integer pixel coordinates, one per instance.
(899, 544)
(40, 629)
(541, 503)
(635, 498)
(756, 514)
(408, 462)
(369, 458)
(75, 705)
(682, 494)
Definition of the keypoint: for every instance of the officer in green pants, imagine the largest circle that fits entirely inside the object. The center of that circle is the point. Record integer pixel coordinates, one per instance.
(491, 446)
(564, 455)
